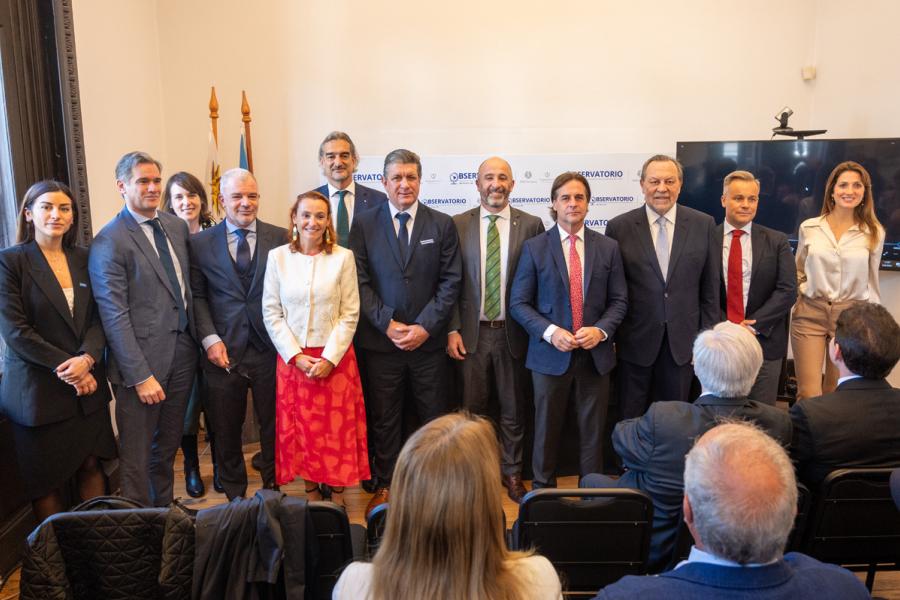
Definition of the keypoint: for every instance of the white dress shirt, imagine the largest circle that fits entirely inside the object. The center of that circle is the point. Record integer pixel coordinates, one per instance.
(579, 248)
(837, 270)
(411, 211)
(311, 302)
(746, 255)
(652, 216)
(147, 228)
(349, 201)
(503, 229)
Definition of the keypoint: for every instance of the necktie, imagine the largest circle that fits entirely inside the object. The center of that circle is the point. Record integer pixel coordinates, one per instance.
(165, 257)
(343, 220)
(492, 271)
(403, 235)
(242, 257)
(576, 294)
(662, 247)
(735, 283)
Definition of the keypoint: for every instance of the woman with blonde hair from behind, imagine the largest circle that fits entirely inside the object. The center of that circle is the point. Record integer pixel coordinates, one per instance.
(444, 536)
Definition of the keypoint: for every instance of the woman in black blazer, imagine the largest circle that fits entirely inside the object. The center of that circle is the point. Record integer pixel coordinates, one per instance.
(54, 387)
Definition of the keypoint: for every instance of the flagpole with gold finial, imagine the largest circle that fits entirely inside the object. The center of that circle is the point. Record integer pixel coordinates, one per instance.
(245, 111)
(213, 171)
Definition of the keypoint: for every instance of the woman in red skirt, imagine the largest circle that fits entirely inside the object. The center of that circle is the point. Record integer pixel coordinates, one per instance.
(311, 307)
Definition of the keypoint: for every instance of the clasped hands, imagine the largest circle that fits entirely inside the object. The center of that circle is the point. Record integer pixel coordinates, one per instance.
(76, 371)
(586, 338)
(406, 337)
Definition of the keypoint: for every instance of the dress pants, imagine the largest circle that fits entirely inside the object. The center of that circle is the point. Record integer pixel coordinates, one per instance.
(491, 366)
(765, 388)
(150, 434)
(663, 380)
(812, 325)
(388, 374)
(227, 405)
(590, 393)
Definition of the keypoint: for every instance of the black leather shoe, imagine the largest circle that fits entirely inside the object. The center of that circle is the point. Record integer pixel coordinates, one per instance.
(369, 485)
(514, 487)
(325, 490)
(217, 485)
(256, 461)
(193, 484)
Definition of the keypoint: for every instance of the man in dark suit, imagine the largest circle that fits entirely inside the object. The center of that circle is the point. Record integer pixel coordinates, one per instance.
(338, 160)
(140, 272)
(739, 504)
(858, 424)
(408, 266)
(228, 266)
(652, 447)
(759, 279)
(569, 294)
(489, 346)
(672, 268)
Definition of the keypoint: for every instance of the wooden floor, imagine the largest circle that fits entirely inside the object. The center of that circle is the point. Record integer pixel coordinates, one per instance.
(887, 585)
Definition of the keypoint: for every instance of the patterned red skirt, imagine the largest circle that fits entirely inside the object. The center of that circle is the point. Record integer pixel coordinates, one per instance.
(320, 424)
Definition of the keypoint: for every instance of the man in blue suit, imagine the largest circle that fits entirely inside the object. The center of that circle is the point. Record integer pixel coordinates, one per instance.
(569, 294)
(739, 504)
(228, 267)
(409, 271)
(139, 267)
(672, 268)
(338, 160)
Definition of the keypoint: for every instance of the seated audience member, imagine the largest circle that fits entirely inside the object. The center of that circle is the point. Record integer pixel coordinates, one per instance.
(54, 388)
(652, 447)
(740, 502)
(444, 536)
(858, 424)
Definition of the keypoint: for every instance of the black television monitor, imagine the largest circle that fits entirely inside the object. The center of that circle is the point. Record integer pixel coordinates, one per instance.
(792, 175)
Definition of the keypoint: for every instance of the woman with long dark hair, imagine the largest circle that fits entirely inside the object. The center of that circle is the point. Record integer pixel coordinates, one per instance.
(54, 387)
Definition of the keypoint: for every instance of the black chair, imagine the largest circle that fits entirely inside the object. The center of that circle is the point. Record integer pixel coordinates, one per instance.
(854, 522)
(375, 528)
(593, 537)
(333, 547)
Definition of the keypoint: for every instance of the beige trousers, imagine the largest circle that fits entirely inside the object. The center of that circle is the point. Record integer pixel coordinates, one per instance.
(812, 326)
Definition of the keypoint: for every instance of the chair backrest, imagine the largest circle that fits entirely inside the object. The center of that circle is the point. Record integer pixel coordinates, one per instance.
(333, 549)
(593, 537)
(854, 520)
(375, 528)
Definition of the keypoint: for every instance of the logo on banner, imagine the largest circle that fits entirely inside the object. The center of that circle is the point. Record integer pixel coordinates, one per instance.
(527, 174)
(463, 176)
(611, 199)
(602, 174)
(367, 177)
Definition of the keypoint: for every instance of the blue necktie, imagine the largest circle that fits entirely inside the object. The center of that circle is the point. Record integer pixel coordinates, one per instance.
(242, 258)
(165, 257)
(403, 235)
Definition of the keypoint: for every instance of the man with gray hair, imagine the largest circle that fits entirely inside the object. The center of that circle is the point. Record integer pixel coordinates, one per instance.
(759, 278)
(338, 160)
(726, 360)
(739, 503)
(409, 271)
(139, 269)
(228, 267)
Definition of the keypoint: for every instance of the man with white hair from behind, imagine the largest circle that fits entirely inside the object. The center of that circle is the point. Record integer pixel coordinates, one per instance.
(740, 503)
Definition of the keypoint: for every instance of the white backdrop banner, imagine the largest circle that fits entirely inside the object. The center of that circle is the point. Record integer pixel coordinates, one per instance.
(448, 182)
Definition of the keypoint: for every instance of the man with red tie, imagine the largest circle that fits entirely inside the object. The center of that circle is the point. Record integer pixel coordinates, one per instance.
(759, 278)
(570, 295)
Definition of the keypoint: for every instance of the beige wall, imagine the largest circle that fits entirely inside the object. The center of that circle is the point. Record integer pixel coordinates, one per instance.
(472, 77)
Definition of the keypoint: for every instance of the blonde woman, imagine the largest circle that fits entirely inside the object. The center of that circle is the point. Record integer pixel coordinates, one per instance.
(838, 254)
(444, 536)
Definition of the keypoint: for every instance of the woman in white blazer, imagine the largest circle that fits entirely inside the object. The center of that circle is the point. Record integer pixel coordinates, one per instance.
(310, 308)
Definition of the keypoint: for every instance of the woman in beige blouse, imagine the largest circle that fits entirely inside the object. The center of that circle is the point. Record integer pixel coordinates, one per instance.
(838, 254)
(311, 306)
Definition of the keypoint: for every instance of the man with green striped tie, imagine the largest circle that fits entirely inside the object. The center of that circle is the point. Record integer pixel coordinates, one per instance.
(489, 346)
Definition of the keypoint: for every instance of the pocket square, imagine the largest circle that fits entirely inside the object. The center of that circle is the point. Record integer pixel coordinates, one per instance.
(429, 241)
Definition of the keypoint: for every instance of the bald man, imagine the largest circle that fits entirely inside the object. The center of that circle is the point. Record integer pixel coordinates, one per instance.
(488, 346)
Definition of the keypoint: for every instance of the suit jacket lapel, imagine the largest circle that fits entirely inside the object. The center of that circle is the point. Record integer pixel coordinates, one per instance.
(557, 254)
(515, 243)
(265, 241)
(642, 229)
(43, 276)
(472, 243)
(589, 254)
(80, 280)
(184, 261)
(757, 241)
(422, 219)
(141, 241)
(682, 224)
(223, 256)
(719, 240)
(390, 236)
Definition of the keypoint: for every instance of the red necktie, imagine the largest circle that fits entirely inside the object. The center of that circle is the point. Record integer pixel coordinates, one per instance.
(735, 291)
(575, 292)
